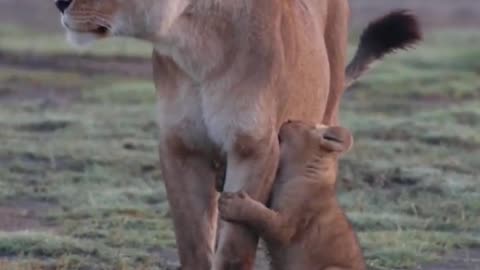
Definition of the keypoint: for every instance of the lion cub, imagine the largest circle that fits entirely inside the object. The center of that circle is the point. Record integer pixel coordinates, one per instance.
(305, 229)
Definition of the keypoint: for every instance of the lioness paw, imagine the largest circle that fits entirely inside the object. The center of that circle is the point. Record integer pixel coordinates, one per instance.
(231, 206)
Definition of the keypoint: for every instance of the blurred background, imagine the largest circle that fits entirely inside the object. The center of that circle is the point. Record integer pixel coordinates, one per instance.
(79, 183)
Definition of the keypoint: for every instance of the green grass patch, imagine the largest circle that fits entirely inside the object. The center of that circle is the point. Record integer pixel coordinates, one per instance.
(410, 186)
(19, 39)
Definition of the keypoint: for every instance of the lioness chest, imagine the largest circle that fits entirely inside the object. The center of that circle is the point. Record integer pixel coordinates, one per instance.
(287, 79)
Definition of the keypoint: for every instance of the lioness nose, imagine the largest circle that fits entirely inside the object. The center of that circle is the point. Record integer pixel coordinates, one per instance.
(62, 5)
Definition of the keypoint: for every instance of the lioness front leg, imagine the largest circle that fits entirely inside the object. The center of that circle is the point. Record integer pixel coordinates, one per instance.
(251, 167)
(189, 181)
(270, 225)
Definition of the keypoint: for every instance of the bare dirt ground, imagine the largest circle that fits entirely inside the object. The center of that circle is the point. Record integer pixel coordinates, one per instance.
(86, 65)
(20, 215)
(24, 215)
(461, 260)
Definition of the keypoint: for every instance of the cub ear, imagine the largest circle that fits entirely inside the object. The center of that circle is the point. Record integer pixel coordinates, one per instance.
(337, 139)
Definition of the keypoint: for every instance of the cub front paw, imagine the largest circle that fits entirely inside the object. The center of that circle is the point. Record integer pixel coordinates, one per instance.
(232, 206)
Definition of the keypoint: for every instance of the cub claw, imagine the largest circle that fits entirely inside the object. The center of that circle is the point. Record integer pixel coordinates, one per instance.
(230, 205)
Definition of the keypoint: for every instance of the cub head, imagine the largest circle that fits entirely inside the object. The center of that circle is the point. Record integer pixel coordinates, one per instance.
(304, 146)
(88, 20)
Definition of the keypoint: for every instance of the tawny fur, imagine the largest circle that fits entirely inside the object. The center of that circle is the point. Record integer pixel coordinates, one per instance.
(305, 229)
(228, 74)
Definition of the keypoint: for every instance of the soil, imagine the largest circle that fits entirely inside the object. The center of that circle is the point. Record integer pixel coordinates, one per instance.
(15, 90)
(460, 260)
(84, 64)
(24, 215)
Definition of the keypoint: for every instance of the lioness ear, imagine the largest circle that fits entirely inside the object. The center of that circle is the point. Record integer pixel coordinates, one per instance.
(337, 139)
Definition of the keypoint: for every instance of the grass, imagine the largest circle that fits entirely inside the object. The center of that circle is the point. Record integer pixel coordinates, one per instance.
(19, 39)
(412, 182)
(83, 147)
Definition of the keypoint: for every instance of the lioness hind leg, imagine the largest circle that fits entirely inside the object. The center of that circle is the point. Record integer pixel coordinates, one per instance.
(336, 38)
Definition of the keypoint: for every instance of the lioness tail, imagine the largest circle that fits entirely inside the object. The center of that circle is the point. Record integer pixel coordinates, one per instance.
(395, 31)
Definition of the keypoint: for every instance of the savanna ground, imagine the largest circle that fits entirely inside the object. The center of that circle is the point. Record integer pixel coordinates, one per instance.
(80, 187)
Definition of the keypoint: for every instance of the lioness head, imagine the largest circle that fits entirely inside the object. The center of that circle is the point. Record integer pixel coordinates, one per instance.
(310, 149)
(88, 20)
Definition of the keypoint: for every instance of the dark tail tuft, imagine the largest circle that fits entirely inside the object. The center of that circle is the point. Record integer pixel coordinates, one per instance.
(398, 30)
(395, 31)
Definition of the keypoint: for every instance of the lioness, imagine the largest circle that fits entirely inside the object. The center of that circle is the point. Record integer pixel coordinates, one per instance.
(227, 74)
(305, 229)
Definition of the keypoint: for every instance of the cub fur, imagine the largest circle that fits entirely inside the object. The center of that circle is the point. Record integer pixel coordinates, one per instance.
(305, 228)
